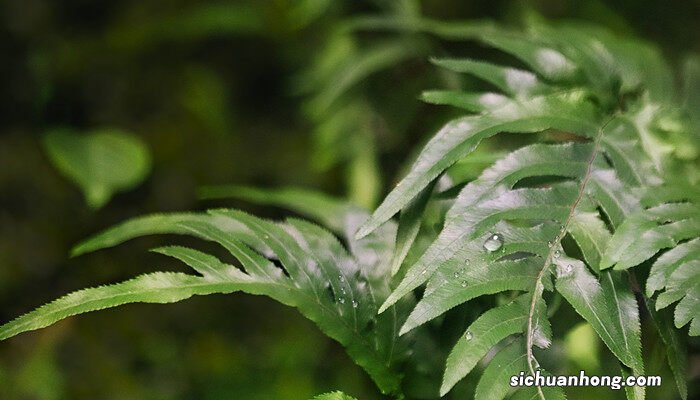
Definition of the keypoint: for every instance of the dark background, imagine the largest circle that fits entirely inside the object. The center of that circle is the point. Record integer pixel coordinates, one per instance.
(213, 88)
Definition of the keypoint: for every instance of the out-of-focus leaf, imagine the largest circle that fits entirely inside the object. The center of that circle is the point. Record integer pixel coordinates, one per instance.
(101, 162)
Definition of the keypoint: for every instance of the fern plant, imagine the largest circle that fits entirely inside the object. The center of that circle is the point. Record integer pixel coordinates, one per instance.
(347, 116)
(599, 200)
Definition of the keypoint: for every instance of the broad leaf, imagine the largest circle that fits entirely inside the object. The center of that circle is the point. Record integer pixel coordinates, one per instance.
(102, 162)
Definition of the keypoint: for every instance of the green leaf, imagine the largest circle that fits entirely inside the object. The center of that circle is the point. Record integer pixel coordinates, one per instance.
(338, 290)
(530, 393)
(669, 262)
(676, 351)
(616, 200)
(591, 235)
(474, 102)
(605, 158)
(546, 61)
(350, 71)
(460, 137)
(484, 202)
(158, 287)
(494, 383)
(684, 285)
(177, 223)
(511, 81)
(409, 226)
(608, 306)
(490, 328)
(101, 162)
(325, 209)
(643, 234)
(333, 396)
(504, 229)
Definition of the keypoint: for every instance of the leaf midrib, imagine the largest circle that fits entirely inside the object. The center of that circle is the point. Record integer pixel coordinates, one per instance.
(550, 254)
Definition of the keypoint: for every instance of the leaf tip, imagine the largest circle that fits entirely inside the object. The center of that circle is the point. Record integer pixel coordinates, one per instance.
(387, 303)
(364, 230)
(445, 388)
(606, 263)
(79, 249)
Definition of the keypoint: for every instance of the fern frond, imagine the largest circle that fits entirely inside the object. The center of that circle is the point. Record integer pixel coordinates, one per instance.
(671, 220)
(338, 290)
(602, 102)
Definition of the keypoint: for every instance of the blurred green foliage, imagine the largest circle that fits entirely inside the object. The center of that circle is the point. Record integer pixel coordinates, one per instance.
(101, 162)
(225, 92)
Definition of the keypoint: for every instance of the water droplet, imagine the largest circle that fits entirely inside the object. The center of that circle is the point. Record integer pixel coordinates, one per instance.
(341, 278)
(469, 335)
(341, 300)
(267, 236)
(564, 270)
(561, 228)
(557, 253)
(342, 290)
(466, 262)
(355, 304)
(550, 244)
(456, 274)
(494, 242)
(423, 271)
(463, 284)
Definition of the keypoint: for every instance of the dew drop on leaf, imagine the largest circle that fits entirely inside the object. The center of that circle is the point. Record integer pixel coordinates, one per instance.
(550, 244)
(494, 242)
(456, 274)
(355, 304)
(464, 284)
(469, 335)
(564, 270)
(341, 278)
(557, 253)
(341, 300)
